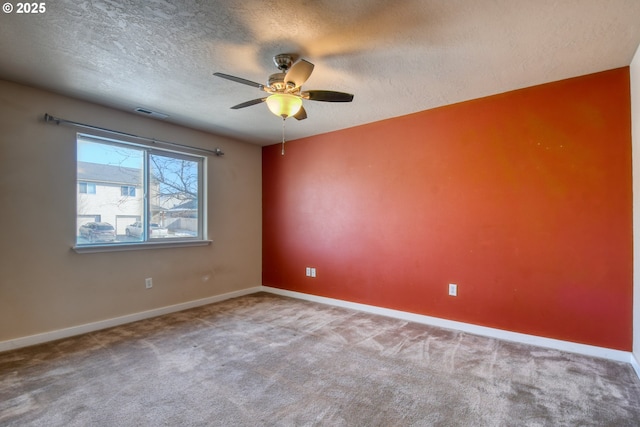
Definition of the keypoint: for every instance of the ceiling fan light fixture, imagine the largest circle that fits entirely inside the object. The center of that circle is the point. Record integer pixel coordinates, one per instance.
(283, 104)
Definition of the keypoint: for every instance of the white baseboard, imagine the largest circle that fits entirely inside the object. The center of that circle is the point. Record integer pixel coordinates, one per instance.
(635, 364)
(109, 323)
(588, 350)
(617, 355)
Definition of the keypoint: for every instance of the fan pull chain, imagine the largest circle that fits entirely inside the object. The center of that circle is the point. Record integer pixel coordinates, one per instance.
(283, 120)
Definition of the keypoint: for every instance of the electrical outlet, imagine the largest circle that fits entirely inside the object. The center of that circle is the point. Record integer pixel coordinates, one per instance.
(453, 289)
(313, 272)
(308, 271)
(148, 283)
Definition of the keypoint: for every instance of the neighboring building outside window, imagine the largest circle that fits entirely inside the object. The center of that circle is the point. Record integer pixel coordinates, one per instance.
(144, 194)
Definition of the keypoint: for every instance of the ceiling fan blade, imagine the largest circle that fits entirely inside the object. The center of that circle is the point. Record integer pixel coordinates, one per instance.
(299, 73)
(248, 103)
(239, 80)
(327, 96)
(301, 114)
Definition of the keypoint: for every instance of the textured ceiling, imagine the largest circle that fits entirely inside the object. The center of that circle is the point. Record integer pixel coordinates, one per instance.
(397, 57)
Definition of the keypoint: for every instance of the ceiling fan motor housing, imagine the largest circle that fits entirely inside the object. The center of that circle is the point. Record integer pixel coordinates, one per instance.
(276, 81)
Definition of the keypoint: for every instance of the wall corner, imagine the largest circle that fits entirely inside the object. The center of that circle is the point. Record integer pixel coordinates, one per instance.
(634, 73)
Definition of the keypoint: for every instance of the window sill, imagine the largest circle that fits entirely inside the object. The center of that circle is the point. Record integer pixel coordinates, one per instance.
(89, 249)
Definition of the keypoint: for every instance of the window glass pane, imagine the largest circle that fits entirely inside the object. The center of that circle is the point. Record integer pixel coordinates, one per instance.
(129, 193)
(174, 189)
(87, 188)
(104, 210)
(126, 190)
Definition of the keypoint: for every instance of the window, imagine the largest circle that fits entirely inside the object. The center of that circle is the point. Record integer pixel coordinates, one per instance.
(87, 187)
(133, 194)
(128, 190)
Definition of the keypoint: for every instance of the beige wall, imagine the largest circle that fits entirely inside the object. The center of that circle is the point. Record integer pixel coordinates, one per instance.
(635, 131)
(45, 285)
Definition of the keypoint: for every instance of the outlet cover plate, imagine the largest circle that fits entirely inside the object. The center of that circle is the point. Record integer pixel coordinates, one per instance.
(453, 289)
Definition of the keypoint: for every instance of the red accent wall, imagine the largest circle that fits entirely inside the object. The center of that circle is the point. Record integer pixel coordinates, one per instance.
(523, 199)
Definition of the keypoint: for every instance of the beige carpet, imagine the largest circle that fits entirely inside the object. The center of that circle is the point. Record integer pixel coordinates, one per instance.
(265, 360)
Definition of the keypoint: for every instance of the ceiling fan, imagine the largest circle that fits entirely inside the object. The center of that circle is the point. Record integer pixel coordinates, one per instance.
(284, 89)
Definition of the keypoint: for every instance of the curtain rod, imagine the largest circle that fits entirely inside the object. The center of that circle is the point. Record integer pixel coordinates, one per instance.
(49, 118)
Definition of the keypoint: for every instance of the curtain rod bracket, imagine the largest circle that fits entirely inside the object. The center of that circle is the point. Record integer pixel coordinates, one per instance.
(48, 118)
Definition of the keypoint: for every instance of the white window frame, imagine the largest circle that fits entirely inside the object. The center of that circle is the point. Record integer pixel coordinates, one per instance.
(199, 240)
